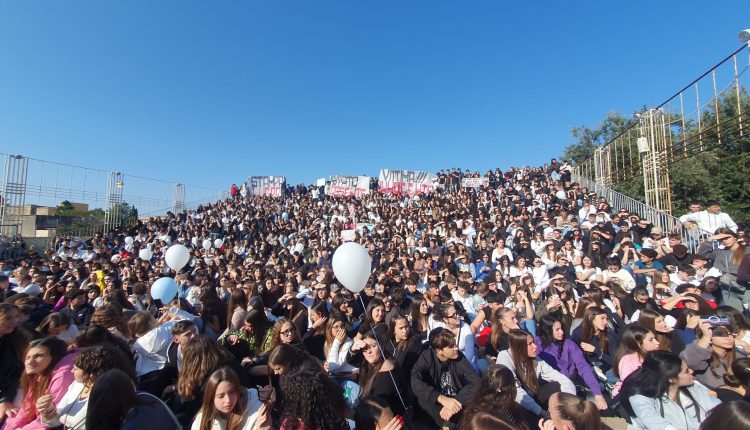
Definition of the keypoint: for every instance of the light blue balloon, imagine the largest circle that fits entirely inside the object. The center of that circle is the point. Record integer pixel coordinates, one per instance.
(285, 215)
(164, 289)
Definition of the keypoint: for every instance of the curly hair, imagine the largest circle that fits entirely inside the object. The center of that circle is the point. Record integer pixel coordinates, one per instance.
(276, 333)
(108, 316)
(96, 360)
(200, 357)
(312, 401)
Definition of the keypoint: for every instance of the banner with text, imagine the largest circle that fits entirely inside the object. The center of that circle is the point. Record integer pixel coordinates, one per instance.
(349, 186)
(408, 182)
(266, 185)
(475, 182)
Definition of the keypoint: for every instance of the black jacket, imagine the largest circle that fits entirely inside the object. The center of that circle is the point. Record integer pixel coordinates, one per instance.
(10, 370)
(80, 316)
(425, 379)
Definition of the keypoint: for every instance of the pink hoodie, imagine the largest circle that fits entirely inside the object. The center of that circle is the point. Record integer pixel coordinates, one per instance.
(62, 377)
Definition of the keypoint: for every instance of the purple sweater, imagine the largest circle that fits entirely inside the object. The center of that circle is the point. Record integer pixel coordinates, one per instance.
(570, 362)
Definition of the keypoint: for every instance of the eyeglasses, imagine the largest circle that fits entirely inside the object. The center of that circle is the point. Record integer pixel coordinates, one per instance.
(451, 316)
(286, 332)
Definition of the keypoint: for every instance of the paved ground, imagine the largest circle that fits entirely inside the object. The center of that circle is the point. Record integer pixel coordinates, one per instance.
(615, 423)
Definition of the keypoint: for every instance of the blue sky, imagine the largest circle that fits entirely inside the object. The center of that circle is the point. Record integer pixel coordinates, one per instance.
(210, 92)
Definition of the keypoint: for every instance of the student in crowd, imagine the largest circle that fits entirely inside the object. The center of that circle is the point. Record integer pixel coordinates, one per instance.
(535, 379)
(13, 342)
(635, 343)
(571, 412)
(48, 370)
(115, 404)
(227, 405)
(443, 380)
(711, 355)
(566, 357)
(403, 345)
(661, 395)
(596, 340)
(89, 364)
(312, 401)
(496, 394)
(736, 382)
(733, 414)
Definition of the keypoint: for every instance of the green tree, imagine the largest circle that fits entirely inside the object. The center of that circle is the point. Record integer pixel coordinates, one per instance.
(65, 208)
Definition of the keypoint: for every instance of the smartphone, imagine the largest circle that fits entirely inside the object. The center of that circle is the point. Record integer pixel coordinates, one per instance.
(716, 319)
(158, 304)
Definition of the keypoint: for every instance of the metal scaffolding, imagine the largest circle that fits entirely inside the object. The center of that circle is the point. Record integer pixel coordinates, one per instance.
(178, 202)
(113, 213)
(677, 129)
(12, 198)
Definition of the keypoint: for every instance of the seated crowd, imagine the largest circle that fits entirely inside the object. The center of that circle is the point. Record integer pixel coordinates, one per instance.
(527, 303)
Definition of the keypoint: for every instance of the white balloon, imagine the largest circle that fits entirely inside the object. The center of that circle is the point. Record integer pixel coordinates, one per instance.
(129, 240)
(145, 254)
(177, 256)
(194, 240)
(218, 243)
(225, 220)
(352, 266)
(207, 244)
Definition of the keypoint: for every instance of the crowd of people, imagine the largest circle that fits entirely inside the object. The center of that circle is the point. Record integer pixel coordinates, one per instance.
(526, 303)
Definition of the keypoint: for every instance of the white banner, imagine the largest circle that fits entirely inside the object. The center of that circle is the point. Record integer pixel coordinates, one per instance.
(266, 185)
(475, 182)
(409, 182)
(349, 186)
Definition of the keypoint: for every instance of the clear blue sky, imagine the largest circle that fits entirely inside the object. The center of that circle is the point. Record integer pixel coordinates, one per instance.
(210, 92)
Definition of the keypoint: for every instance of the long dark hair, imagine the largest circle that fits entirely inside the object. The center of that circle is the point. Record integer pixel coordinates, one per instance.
(525, 365)
(653, 380)
(546, 323)
(111, 398)
(631, 341)
(236, 299)
(729, 415)
(647, 319)
(402, 345)
(497, 393)
(367, 370)
(588, 330)
(261, 324)
(416, 316)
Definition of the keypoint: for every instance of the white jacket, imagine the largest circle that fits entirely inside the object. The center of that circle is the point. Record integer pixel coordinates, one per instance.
(249, 418)
(336, 357)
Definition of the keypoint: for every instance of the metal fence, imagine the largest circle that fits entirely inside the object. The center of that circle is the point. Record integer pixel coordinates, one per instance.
(27, 182)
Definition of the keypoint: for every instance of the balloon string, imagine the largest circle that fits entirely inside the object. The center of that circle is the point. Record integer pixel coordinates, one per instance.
(382, 354)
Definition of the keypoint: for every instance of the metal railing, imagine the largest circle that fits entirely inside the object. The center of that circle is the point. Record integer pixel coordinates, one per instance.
(617, 201)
